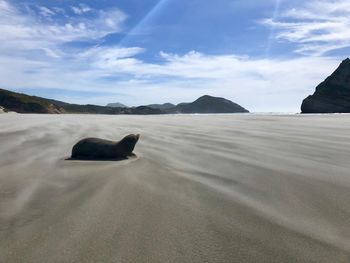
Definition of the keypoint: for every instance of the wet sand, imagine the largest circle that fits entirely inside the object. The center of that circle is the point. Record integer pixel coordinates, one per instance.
(206, 188)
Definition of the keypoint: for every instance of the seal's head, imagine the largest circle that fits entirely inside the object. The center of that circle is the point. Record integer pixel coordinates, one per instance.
(128, 143)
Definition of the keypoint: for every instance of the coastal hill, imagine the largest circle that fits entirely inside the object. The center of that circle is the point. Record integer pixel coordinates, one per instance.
(204, 104)
(22, 103)
(333, 94)
(164, 106)
(208, 104)
(116, 105)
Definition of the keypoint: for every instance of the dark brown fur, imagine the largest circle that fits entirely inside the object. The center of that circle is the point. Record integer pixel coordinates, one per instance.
(99, 149)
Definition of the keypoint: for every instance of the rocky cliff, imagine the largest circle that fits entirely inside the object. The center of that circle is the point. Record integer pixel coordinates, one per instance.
(333, 94)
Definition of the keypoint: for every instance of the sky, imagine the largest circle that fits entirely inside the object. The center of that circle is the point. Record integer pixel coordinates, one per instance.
(266, 55)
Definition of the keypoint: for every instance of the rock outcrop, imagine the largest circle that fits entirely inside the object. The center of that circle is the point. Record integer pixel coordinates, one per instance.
(333, 94)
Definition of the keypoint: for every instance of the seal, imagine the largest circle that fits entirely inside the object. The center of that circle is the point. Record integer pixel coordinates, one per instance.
(100, 149)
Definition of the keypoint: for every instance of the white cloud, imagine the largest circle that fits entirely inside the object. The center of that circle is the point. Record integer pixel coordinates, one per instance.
(46, 11)
(21, 32)
(5, 7)
(105, 54)
(81, 9)
(59, 10)
(319, 26)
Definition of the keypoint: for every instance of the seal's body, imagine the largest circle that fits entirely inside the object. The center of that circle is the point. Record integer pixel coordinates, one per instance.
(99, 149)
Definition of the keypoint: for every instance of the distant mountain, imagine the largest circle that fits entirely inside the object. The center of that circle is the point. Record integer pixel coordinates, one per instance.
(164, 106)
(208, 104)
(22, 103)
(144, 110)
(333, 94)
(116, 105)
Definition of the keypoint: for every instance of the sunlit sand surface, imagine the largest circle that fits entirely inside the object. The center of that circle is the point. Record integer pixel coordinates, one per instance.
(211, 188)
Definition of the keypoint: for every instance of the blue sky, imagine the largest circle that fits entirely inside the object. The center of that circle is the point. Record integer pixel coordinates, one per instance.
(266, 55)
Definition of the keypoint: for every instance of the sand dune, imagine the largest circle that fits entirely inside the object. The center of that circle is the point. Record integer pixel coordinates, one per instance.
(224, 188)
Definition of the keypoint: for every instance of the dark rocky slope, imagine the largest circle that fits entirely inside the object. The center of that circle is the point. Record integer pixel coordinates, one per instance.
(333, 94)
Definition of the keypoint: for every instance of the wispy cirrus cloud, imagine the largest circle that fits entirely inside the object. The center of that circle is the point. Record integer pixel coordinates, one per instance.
(81, 9)
(317, 27)
(47, 12)
(22, 31)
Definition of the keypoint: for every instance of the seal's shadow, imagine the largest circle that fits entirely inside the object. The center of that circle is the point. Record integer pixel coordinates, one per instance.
(131, 156)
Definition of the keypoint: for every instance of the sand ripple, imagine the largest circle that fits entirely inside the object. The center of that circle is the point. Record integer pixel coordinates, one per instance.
(224, 188)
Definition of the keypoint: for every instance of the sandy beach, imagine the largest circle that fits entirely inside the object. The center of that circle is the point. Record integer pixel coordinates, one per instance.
(203, 188)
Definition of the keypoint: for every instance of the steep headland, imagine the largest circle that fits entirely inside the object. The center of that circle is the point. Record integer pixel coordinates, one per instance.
(333, 94)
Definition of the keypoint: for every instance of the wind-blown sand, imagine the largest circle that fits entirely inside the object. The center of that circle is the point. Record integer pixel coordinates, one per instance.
(209, 188)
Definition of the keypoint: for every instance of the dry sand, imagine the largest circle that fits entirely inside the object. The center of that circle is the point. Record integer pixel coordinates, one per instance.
(224, 188)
